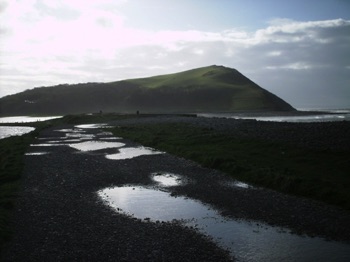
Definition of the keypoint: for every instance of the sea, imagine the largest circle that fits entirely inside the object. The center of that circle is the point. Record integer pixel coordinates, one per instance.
(7, 131)
(307, 116)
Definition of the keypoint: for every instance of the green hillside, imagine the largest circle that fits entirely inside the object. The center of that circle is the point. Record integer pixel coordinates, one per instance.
(207, 89)
(212, 76)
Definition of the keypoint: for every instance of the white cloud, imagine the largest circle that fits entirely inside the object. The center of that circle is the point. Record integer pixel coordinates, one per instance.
(293, 66)
(41, 45)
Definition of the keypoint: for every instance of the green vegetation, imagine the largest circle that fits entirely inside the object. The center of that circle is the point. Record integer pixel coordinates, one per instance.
(207, 89)
(217, 76)
(321, 175)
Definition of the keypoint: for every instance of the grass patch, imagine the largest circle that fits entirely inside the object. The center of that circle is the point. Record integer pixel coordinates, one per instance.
(320, 175)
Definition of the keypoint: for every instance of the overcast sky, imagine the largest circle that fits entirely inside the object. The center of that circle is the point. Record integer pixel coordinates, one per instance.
(299, 50)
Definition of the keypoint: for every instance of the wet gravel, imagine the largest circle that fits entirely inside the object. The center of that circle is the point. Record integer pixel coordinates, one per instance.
(59, 216)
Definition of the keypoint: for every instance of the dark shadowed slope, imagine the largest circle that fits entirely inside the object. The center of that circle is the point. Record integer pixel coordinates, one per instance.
(207, 89)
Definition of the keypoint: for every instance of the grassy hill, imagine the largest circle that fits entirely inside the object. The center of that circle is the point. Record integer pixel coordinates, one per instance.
(207, 89)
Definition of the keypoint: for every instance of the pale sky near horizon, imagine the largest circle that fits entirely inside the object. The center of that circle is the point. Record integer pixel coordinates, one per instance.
(298, 50)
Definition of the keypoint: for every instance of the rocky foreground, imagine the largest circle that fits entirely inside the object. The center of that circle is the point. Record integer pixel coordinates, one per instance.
(59, 216)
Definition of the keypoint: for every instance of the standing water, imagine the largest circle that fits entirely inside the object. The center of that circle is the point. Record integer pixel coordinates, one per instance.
(7, 131)
(245, 241)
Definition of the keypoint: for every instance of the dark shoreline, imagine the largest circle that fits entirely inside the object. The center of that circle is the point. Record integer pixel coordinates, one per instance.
(258, 113)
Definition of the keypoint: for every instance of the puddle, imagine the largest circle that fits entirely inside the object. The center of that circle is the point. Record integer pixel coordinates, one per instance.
(72, 140)
(75, 133)
(71, 130)
(110, 138)
(46, 145)
(92, 126)
(49, 138)
(131, 152)
(58, 141)
(105, 134)
(167, 179)
(245, 241)
(95, 145)
(79, 135)
(241, 184)
(238, 184)
(36, 153)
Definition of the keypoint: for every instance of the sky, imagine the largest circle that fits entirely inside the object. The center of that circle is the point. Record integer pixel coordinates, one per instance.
(298, 50)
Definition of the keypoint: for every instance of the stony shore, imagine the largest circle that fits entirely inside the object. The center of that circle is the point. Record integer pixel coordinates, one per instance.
(59, 216)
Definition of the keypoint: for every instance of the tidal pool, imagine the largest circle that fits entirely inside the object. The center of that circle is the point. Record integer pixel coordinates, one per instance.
(245, 241)
(131, 152)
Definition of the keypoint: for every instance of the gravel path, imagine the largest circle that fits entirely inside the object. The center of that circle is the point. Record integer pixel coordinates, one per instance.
(59, 216)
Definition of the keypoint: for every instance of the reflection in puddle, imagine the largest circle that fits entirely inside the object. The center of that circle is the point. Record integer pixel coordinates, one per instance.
(167, 179)
(246, 241)
(91, 126)
(75, 134)
(57, 141)
(95, 145)
(131, 152)
(238, 184)
(71, 130)
(105, 134)
(36, 153)
(79, 135)
(45, 145)
(241, 184)
(72, 140)
(110, 138)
